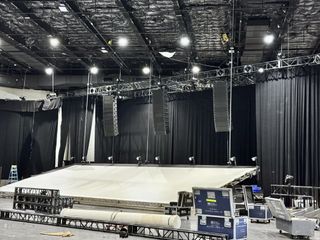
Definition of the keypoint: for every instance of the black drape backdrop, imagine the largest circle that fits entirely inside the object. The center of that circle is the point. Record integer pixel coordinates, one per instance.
(288, 133)
(28, 140)
(73, 118)
(191, 131)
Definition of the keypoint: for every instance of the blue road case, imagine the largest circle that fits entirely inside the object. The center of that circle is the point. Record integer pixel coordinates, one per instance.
(216, 213)
(259, 213)
(236, 228)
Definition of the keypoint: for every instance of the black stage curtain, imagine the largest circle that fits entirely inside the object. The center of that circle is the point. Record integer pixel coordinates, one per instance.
(191, 131)
(28, 140)
(73, 115)
(288, 133)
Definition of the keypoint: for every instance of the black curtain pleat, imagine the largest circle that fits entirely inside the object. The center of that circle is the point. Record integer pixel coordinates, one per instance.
(191, 131)
(73, 118)
(28, 140)
(287, 111)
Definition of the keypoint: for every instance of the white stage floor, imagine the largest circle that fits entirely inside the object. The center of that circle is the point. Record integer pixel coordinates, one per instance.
(151, 184)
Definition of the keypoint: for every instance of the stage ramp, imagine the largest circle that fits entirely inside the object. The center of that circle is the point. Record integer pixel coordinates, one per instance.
(132, 186)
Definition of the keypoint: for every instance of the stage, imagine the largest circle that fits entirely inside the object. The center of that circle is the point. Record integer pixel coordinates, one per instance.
(132, 185)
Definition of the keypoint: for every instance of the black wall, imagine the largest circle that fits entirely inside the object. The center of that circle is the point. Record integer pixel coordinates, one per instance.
(288, 133)
(28, 140)
(73, 121)
(191, 131)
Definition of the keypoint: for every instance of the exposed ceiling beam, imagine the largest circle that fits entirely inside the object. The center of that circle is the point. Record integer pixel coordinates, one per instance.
(182, 12)
(14, 61)
(85, 20)
(137, 27)
(23, 8)
(19, 43)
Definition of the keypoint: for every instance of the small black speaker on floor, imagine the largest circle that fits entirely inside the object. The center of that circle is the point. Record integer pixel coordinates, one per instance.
(220, 106)
(110, 115)
(160, 111)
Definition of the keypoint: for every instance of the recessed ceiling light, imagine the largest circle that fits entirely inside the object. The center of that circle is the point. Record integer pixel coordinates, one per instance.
(195, 69)
(63, 8)
(103, 50)
(123, 42)
(261, 70)
(184, 41)
(94, 70)
(54, 42)
(49, 70)
(146, 70)
(268, 39)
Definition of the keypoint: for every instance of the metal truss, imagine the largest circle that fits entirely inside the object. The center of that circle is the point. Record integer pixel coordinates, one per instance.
(40, 200)
(243, 75)
(242, 178)
(293, 191)
(133, 230)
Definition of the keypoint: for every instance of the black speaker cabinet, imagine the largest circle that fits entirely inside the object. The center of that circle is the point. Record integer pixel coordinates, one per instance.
(160, 111)
(220, 106)
(110, 115)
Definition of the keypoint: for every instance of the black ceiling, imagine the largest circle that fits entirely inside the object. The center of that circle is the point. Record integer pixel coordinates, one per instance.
(151, 26)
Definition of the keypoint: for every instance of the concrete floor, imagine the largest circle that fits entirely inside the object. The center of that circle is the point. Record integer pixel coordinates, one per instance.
(27, 231)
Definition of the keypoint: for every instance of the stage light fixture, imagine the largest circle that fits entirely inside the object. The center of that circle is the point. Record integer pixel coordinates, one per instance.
(123, 42)
(54, 42)
(185, 41)
(157, 158)
(288, 179)
(146, 70)
(233, 160)
(254, 159)
(268, 39)
(94, 70)
(110, 159)
(139, 160)
(261, 70)
(195, 69)
(191, 160)
(49, 70)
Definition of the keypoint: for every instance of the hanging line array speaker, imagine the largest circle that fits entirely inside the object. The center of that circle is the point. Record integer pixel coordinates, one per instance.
(110, 115)
(220, 106)
(160, 111)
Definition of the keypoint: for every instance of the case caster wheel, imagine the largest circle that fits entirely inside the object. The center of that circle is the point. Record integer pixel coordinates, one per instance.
(280, 231)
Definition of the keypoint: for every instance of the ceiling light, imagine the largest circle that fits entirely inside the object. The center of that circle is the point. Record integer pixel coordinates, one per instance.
(123, 42)
(103, 50)
(146, 70)
(54, 42)
(168, 54)
(185, 41)
(63, 8)
(195, 69)
(268, 39)
(261, 70)
(49, 70)
(94, 70)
